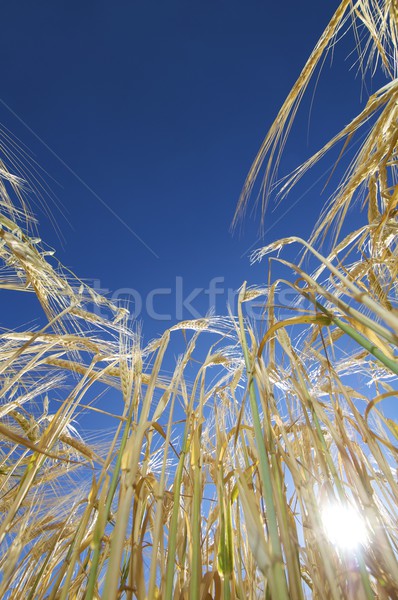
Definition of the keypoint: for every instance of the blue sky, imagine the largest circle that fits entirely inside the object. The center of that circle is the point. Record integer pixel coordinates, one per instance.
(156, 110)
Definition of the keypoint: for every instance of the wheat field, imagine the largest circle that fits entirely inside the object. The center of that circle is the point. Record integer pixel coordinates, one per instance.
(237, 478)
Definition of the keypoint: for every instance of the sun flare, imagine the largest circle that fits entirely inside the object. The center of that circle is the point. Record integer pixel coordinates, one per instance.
(344, 526)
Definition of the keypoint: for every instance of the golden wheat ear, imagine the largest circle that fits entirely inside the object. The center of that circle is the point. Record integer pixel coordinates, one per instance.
(375, 28)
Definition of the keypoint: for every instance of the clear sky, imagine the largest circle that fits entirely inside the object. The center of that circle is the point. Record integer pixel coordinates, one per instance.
(155, 110)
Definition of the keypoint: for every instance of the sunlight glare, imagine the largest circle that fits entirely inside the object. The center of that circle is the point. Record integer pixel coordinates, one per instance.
(344, 526)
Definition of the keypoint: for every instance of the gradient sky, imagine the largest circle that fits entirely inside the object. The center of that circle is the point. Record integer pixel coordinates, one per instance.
(156, 109)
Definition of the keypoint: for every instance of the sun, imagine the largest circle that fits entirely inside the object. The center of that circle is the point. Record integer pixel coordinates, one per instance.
(344, 526)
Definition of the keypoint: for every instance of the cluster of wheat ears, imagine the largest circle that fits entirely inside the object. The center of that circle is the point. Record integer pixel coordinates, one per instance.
(216, 485)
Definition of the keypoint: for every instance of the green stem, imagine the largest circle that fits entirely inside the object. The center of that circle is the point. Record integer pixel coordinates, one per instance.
(390, 363)
(278, 580)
